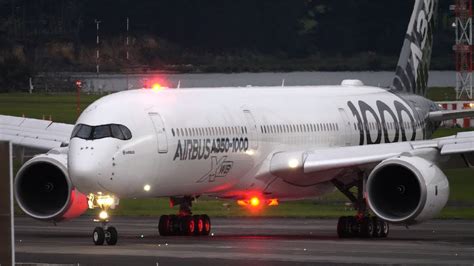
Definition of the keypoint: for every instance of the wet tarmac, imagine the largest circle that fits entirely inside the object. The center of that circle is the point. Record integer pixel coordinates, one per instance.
(243, 241)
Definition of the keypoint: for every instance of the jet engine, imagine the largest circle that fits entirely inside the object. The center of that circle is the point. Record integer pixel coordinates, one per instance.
(407, 190)
(44, 191)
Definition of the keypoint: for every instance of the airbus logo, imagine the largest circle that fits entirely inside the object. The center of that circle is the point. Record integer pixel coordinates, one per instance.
(219, 168)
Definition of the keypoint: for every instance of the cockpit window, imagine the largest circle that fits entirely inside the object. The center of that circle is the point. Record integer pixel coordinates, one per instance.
(116, 132)
(103, 131)
(84, 131)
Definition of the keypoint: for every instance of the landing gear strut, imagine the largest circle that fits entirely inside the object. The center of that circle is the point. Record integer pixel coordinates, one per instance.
(360, 225)
(184, 224)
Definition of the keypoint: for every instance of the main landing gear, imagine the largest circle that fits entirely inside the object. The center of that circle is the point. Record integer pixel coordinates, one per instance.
(360, 225)
(184, 224)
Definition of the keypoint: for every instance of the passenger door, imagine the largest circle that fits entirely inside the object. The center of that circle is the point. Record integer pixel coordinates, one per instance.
(160, 131)
(252, 126)
(346, 128)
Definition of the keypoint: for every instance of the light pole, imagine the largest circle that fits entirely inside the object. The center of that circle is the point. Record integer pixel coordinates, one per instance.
(97, 22)
(128, 55)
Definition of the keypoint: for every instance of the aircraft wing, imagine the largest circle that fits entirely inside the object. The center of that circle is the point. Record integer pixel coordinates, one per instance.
(34, 133)
(312, 167)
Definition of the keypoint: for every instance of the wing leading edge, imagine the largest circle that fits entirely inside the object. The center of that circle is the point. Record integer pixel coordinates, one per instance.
(34, 133)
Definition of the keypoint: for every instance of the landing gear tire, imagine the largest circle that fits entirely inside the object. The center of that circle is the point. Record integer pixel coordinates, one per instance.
(197, 225)
(111, 236)
(343, 227)
(187, 225)
(385, 229)
(164, 226)
(98, 236)
(377, 227)
(175, 225)
(206, 229)
(349, 226)
(354, 227)
(366, 227)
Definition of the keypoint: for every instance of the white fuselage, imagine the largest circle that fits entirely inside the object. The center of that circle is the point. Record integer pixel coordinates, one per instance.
(219, 141)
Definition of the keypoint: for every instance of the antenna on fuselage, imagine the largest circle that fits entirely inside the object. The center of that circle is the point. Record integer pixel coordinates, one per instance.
(283, 83)
(179, 84)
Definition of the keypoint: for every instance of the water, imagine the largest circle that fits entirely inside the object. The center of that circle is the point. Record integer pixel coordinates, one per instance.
(118, 82)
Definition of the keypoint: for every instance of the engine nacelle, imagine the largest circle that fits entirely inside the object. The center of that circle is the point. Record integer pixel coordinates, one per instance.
(44, 191)
(407, 190)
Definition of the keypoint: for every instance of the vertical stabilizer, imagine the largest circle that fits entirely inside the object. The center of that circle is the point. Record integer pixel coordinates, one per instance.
(414, 63)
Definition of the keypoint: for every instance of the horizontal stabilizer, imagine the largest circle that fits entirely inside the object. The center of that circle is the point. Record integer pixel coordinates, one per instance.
(440, 116)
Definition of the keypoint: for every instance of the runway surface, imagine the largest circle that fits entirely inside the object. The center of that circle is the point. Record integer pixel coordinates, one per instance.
(244, 241)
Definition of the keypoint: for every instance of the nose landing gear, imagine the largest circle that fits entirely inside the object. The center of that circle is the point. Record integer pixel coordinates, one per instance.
(184, 224)
(103, 233)
(362, 224)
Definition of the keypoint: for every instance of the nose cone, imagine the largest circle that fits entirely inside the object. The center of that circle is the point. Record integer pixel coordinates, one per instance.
(87, 166)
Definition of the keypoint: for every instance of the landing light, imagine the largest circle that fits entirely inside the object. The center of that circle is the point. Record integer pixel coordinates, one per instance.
(250, 152)
(471, 105)
(293, 163)
(147, 188)
(103, 215)
(105, 201)
(102, 201)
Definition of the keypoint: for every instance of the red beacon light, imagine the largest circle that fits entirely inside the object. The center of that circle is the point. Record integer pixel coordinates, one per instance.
(256, 202)
(156, 87)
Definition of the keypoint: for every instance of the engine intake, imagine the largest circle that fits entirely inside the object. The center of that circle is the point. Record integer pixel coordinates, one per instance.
(44, 191)
(407, 190)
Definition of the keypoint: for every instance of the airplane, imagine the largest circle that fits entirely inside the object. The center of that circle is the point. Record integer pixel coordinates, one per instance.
(257, 146)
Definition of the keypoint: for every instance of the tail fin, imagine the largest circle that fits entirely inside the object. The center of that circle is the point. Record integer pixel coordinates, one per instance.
(414, 62)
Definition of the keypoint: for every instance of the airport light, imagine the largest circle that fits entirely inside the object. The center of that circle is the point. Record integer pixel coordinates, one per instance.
(147, 187)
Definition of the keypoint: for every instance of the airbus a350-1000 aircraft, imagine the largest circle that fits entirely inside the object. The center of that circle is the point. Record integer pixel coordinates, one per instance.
(256, 145)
